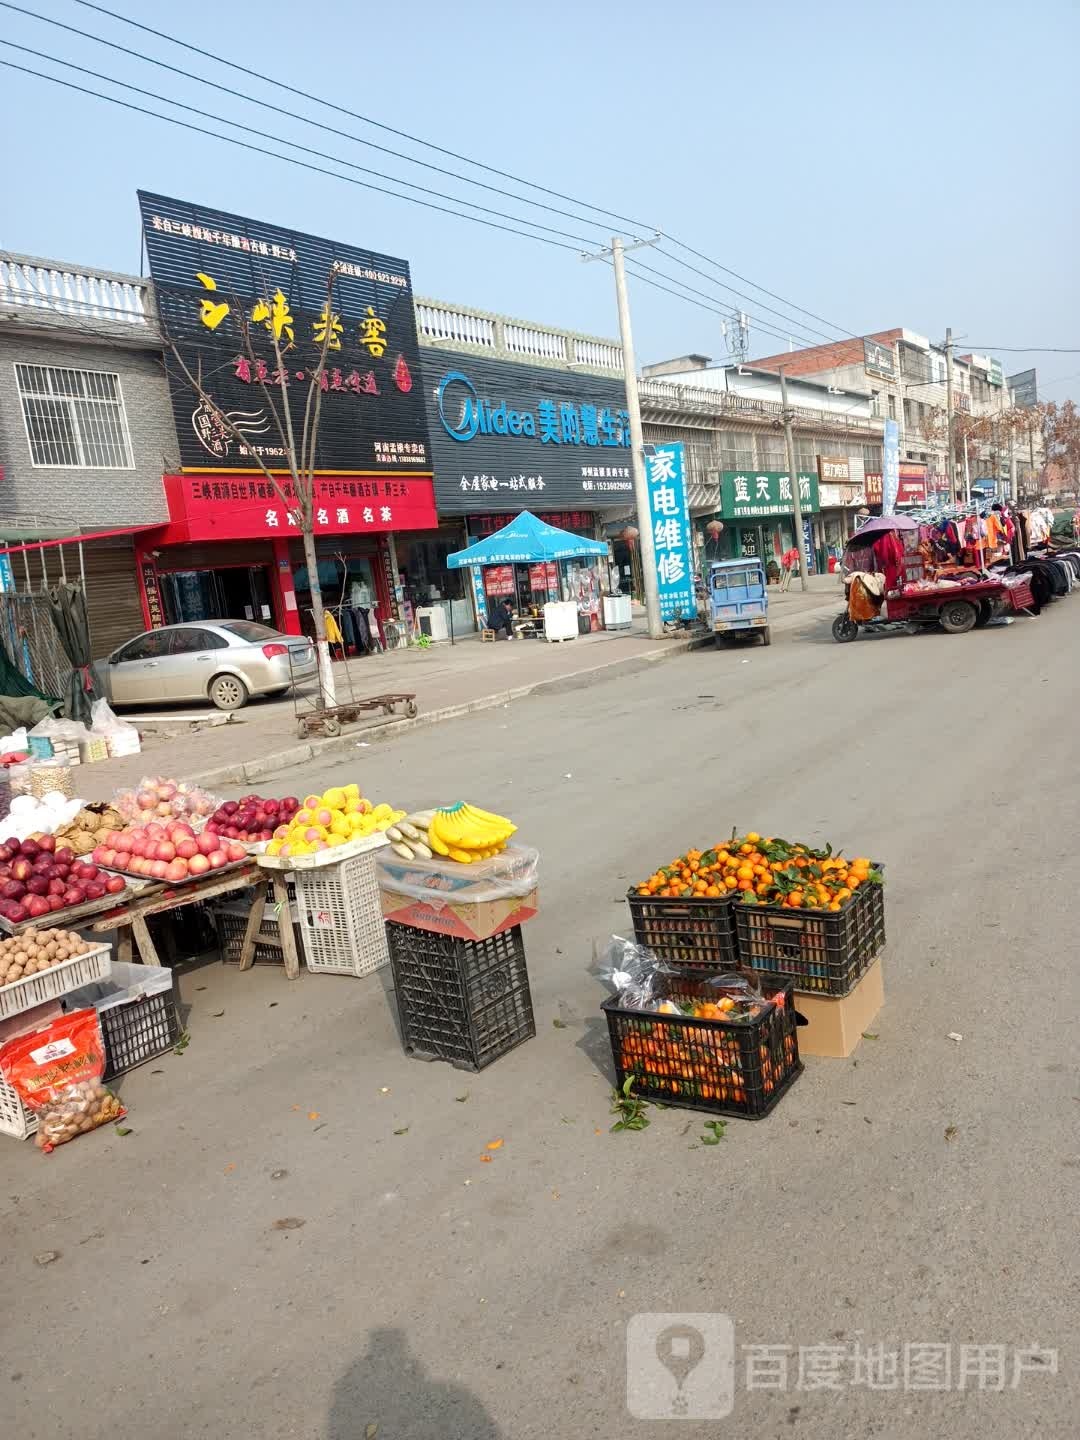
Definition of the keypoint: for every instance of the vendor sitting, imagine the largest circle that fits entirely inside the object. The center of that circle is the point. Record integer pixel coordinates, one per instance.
(501, 620)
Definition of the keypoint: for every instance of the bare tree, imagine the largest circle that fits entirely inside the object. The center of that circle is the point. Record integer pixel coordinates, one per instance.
(271, 312)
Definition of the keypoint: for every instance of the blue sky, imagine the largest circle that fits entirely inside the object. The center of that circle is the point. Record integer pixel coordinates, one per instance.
(910, 165)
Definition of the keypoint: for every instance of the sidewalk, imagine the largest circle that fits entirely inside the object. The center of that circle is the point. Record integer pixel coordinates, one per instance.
(448, 680)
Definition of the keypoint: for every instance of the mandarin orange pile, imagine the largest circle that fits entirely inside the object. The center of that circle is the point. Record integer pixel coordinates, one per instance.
(764, 871)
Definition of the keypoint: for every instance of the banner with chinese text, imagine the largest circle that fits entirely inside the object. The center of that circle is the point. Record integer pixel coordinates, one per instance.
(754, 493)
(218, 277)
(241, 507)
(890, 467)
(669, 516)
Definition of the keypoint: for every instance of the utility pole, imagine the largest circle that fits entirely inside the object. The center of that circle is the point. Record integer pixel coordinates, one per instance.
(793, 474)
(951, 457)
(637, 443)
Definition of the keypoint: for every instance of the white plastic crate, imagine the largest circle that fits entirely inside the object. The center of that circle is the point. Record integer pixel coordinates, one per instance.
(15, 1118)
(340, 912)
(58, 980)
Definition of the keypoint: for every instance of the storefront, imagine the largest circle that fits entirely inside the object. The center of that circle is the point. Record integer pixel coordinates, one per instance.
(757, 511)
(267, 328)
(508, 437)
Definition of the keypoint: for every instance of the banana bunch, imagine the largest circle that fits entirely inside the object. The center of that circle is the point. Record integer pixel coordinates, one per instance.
(409, 836)
(463, 833)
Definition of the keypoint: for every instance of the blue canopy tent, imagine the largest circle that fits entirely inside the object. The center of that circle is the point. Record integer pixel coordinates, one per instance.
(526, 540)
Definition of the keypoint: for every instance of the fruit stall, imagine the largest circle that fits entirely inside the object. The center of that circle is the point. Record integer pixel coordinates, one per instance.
(339, 882)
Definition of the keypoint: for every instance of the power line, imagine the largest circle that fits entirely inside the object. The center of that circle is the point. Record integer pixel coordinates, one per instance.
(235, 124)
(289, 159)
(762, 324)
(293, 144)
(1023, 349)
(638, 225)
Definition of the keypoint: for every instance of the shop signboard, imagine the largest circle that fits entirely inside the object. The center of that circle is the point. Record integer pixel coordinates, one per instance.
(833, 469)
(808, 546)
(221, 277)
(912, 486)
(669, 515)
(578, 522)
(890, 475)
(877, 358)
(242, 507)
(1025, 388)
(507, 435)
(873, 487)
(152, 591)
(995, 375)
(750, 494)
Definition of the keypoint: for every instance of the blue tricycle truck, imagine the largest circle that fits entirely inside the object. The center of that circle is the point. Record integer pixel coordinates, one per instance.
(738, 599)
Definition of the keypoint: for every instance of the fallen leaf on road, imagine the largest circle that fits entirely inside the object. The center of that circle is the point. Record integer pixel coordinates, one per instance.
(868, 1120)
(555, 1194)
(123, 1129)
(217, 1014)
(403, 1131)
(494, 1145)
(950, 1132)
(313, 1114)
(869, 1035)
(229, 1169)
(157, 1072)
(46, 1257)
(462, 1098)
(487, 1159)
(288, 1222)
(278, 1174)
(849, 1102)
(559, 1024)
(597, 1130)
(370, 1432)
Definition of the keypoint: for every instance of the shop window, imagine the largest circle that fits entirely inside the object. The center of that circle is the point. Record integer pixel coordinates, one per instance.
(74, 418)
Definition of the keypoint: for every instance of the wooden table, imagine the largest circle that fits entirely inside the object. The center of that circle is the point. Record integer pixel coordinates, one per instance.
(129, 918)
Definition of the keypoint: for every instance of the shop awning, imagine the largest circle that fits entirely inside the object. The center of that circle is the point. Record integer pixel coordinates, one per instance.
(525, 540)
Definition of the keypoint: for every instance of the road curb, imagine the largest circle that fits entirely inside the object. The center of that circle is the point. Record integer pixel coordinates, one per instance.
(283, 759)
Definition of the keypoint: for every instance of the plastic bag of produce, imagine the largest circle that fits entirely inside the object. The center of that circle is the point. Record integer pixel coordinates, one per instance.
(159, 798)
(634, 973)
(57, 1072)
(105, 721)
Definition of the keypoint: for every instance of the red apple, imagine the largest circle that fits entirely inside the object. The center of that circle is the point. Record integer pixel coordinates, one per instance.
(47, 842)
(17, 913)
(158, 869)
(74, 895)
(217, 859)
(37, 905)
(21, 869)
(30, 848)
(177, 870)
(57, 886)
(185, 849)
(236, 852)
(64, 856)
(121, 860)
(165, 850)
(95, 890)
(37, 885)
(115, 884)
(207, 843)
(198, 865)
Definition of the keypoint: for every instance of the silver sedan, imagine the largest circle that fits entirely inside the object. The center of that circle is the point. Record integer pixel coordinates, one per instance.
(223, 661)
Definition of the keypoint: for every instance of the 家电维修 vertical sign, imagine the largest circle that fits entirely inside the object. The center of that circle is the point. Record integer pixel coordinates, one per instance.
(669, 520)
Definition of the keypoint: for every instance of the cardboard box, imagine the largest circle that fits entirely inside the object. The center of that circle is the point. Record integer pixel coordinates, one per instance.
(835, 1026)
(467, 919)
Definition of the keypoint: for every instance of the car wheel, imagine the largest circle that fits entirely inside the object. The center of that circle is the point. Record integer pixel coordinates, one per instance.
(228, 692)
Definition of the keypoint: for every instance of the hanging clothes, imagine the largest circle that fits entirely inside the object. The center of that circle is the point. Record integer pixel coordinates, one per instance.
(889, 555)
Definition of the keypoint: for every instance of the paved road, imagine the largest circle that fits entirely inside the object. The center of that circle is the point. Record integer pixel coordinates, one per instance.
(433, 1295)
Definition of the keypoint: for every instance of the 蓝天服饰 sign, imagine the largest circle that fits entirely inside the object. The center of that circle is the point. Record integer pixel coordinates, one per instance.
(755, 493)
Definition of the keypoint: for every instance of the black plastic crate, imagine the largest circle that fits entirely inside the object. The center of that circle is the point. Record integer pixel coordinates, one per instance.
(139, 1030)
(728, 1067)
(822, 952)
(231, 927)
(466, 1001)
(696, 934)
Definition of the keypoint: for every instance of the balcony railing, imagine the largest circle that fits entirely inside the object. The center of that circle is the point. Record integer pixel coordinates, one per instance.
(663, 395)
(459, 327)
(44, 287)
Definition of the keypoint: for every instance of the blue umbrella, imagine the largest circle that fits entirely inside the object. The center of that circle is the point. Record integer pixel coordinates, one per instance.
(525, 540)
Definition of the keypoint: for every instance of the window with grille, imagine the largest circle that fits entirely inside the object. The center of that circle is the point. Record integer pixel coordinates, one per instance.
(74, 418)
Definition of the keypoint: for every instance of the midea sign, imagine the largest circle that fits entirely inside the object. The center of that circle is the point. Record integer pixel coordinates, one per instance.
(469, 415)
(464, 416)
